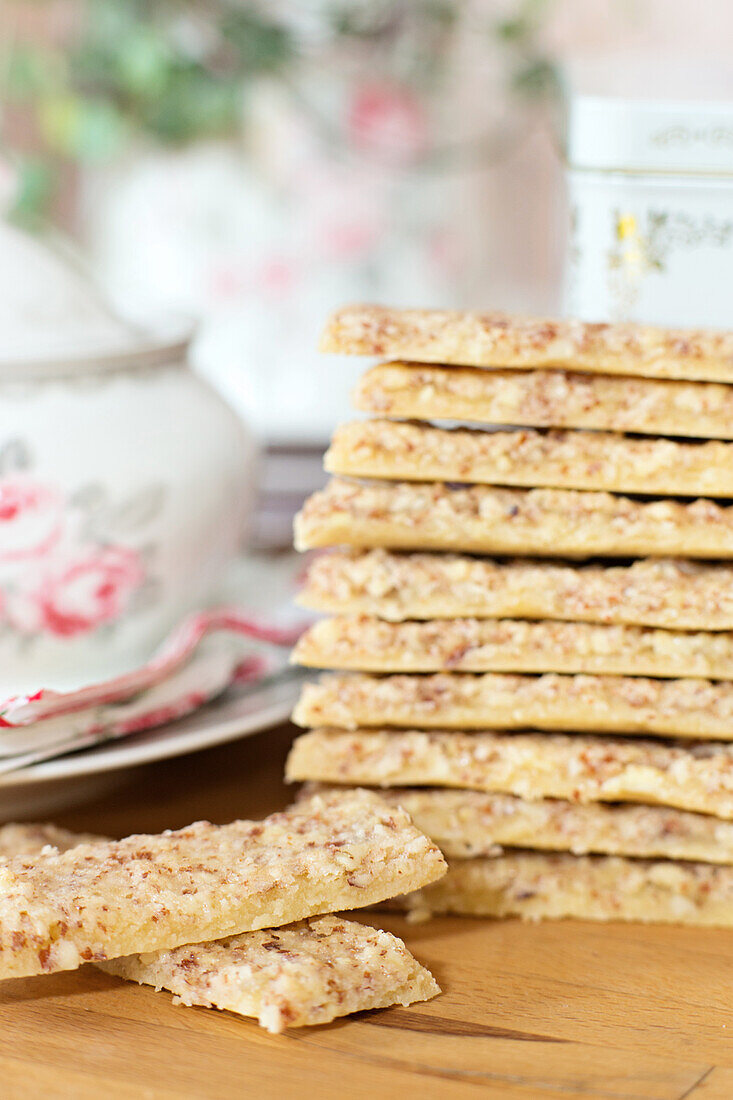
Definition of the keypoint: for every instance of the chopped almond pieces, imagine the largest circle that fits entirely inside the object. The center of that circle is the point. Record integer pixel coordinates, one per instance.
(495, 339)
(302, 974)
(146, 893)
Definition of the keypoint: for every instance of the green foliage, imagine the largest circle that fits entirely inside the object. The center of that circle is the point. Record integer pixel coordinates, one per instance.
(31, 71)
(87, 130)
(533, 73)
(172, 72)
(35, 188)
(261, 47)
(536, 78)
(175, 71)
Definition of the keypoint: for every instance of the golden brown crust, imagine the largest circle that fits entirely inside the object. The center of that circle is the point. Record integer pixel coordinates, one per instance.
(608, 888)
(467, 824)
(147, 893)
(595, 704)
(367, 644)
(300, 975)
(480, 519)
(675, 594)
(548, 399)
(602, 461)
(494, 339)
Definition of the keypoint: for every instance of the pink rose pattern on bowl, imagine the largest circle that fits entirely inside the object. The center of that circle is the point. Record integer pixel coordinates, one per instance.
(86, 591)
(30, 518)
(59, 574)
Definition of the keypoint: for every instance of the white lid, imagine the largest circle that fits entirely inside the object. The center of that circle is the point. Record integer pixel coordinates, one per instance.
(52, 315)
(643, 114)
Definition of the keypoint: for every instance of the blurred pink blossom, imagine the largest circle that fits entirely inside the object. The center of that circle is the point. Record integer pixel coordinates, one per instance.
(78, 596)
(387, 120)
(31, 517)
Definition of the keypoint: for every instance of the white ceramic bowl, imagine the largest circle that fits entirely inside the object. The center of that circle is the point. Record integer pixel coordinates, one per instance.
(125, 483)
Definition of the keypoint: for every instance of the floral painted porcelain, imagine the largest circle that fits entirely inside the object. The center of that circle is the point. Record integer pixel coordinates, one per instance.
(650, 191)
(124, 486)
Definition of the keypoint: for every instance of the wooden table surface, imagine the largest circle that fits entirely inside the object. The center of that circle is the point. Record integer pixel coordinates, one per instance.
(537, 1012)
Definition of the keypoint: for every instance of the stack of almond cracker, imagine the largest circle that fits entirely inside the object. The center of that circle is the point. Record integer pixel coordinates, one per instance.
(531, 641)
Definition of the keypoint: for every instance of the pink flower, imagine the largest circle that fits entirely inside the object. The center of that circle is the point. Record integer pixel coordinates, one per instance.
(276, 276)
(92, 590)
(348, 239)
(346, 210)
(31, 517)
(226, 282)
(387, 121)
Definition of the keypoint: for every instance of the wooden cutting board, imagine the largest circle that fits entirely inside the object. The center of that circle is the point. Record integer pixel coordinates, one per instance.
(529, 1012)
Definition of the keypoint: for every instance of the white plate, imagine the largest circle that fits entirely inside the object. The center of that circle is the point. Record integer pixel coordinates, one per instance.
(46, 787)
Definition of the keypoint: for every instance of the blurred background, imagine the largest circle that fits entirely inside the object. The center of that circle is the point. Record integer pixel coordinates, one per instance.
(254, 164)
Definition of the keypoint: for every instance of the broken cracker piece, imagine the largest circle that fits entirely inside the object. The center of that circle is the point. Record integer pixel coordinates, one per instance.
(303, 974)
(145, 893)
(27, 838)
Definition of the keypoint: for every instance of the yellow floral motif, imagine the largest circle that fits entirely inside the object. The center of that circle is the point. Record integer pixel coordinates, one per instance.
(641, 245)
(633, 253)
(626, 226)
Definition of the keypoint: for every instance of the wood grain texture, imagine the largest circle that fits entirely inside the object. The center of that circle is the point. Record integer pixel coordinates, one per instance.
(530, 1012)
